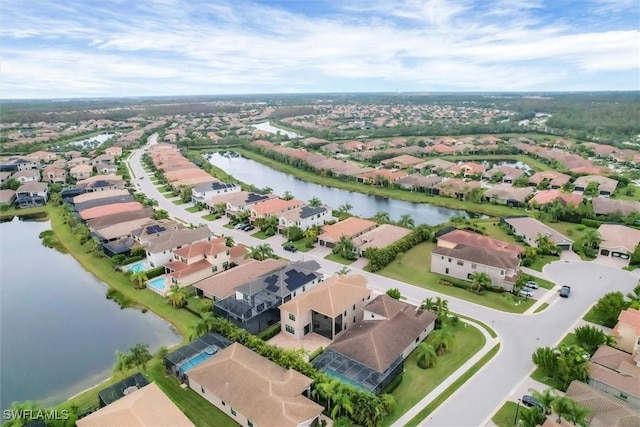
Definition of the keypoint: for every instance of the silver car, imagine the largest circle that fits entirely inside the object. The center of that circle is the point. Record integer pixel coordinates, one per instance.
(525, 293)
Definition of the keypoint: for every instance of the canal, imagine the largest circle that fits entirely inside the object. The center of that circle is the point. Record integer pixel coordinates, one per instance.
(58, 332)
(252, 172)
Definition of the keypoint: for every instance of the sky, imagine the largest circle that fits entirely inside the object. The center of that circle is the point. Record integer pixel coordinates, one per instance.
(115, 48)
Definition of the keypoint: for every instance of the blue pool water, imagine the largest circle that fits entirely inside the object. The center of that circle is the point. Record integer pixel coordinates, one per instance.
(159, 284)
(187, 366)
(137, 266)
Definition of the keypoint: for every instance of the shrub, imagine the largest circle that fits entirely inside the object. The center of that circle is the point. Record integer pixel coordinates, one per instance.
(591, 222)
(393, 384)
(155, 272)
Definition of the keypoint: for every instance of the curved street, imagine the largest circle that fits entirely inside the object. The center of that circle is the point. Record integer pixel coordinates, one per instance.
(520, 334)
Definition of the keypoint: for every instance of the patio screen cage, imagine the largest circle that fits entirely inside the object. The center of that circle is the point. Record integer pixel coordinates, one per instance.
(173, 360)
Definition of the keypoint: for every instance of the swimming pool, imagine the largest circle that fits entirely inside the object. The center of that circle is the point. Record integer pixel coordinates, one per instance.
(137, 267)
(192, 363)
(159, 284)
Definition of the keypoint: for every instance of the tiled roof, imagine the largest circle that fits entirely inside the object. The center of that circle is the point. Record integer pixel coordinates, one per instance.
(349, 227)
(619, 236)
(224, 284)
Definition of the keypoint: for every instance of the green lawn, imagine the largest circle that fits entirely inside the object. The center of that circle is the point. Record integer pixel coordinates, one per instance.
(413, 267)
(539, 375)
(542, 260)
(492, 229)
(211, 217)
(542, 307)
(506, 415)
(179, 202)
(165, 189)
(260, 235)
(593, 317)
(300, 245)
(339, 259)
(415, 421)
(621, 195)
(193, 209)
(574, 232)
(417, 383)
(229, 226)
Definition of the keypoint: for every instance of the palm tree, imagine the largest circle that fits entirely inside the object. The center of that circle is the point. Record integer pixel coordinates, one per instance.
(262, 252)
(287, 195)
(229, 241)
(442, 340)
(139, 278)
(343, 271)
(545, 398)
(479, 281)
(345, 209)
(345, 248)
(578, 416)
(204, 325)
(406, 221)
(382, 218)
(140, 355)
(531, 417)
(122, 365)
(341, 401)
(220, 207)
(426, 355)
(562, 406)
(311, 234)
(315, 202)
(176, 296)
(326, 390)
(591, 239)
(20, 413)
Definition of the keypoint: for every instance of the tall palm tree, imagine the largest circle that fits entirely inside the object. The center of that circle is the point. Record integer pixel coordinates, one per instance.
(341, 401)
(122, 365)
(315, 202)
(203, 326)
(343, 271)
(311, 234)
(479, 281)
(139, 278)
(579, 415)
(382, 217)
(426, 355)
(287, 195)
(545, 398)
(442, 339)
(262, 252)
(531, 417)
(140, 355)
(345, 248)
(346, 208)
(326, 390)
(562, 406)
(406, 221)
(176, 296)
(229, 241)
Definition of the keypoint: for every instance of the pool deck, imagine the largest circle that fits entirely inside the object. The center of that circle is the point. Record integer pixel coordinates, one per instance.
(158, 291)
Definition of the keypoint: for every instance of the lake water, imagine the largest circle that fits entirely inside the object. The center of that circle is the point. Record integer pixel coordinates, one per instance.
(58, 332)
(266, 126)
(92, 142)
(252, 172)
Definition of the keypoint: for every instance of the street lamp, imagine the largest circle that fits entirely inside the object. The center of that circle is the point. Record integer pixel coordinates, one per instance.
(515, 420)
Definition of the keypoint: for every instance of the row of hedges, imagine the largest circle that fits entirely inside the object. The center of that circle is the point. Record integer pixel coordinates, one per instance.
(155, 272)
(381, 257)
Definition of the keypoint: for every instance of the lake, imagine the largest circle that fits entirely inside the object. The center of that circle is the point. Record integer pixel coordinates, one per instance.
(252, 172)
(58, 332)
(90, 143)
(266, 126)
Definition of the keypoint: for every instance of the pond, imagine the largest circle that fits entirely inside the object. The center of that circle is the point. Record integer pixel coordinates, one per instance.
(88, 143)
(58, 332)
(267, 127)
(252, 172)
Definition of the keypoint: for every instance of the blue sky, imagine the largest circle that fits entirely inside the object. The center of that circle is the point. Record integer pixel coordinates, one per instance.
(64, 49)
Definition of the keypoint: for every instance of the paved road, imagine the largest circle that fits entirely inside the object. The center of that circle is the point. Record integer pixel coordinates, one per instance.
(475, 402)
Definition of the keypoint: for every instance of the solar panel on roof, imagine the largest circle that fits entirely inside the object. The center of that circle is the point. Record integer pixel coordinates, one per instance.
(273, 288)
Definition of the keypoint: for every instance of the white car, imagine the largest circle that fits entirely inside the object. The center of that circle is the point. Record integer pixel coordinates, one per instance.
(525, 293)
(531, 284)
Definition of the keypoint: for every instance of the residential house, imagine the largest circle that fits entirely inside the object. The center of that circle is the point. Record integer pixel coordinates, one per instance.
(7, 197)
(606, 186)
(98, 195)
(113, 151)
(605, 410)
(546, 197)
(29, 175)
(4, 177)
(32, 194)
(254, 391)
(273, 207)
(508, 174)
(254, 306)
(77, 161)
(353, 146)
(103, 159)
(350, 228)
(204, 192)
(606, 206)
(419, 182)
(154, 228)
(379, 237)
(616, 373)
(105, 210)
(327, 309)
(119, 230)
(556, 180)
(54, 174)
(403, 161)
(200, 260)
(627, 331)
(101, 183)
(304, 217)
(460, 253)
(42, 156)
(505, 194)
(238, 202)
(146, 406)
(455, 188)
(380, 176)
(467, 169)
(81, 172)
(224, 284)
(15, 164)
(159, 246)
(103, 201)
(390, 331)
(122, 217)
(530, 229)
(332, 148)
(72, 154)
(618, 241)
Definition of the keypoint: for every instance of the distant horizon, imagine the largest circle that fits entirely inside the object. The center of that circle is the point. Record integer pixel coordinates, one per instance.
(91, 49)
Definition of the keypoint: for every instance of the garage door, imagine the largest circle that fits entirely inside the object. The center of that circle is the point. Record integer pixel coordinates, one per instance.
(604, 252)
(565, 247)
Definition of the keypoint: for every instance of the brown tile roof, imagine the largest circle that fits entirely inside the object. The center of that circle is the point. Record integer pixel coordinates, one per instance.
(606, 410)
(468, 167)
(212, 247)
(624, 383)
(7, 196)
(173, 238)
(384, 173)
(604, 183)
(480, 241)
(145, 407)
(349, 228)
(531, 227)
(224, 284)
(419, 180)
(629, 317)
(603, 206)
(272, 206)
(105, 210)
(403, 160)
(96, 195)
(380, 237)
(384, 340)
(555, 178)
(181, 269)
(257, 388)
(331, 297)
(109, 220)
(619, 236)
(617, 360)
(514, 173)
(549, 196)
(508, 192)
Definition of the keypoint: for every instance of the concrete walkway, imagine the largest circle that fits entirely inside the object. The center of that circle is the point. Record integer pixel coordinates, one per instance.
(490, 342)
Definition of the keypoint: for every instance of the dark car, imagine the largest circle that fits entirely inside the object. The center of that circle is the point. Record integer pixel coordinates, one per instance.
(565, 291)
(530, 401)
(248, 227)
(290, 248)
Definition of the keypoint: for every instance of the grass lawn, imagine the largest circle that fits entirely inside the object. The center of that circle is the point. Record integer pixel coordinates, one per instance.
(193, 209)
(229, 226)
(542, 260)
(593, 317)
(621, 195)
(11, 212)
(574, 232)
(492, 227)
(179, 202)
(414, 267)
(417, 383)
(542, 307)
(339, 259)
(392, 193)
(300, 245)
(165, 189)
(260, 235)
(424, 413)
(540, 376)
(506, 415)
(210, 217)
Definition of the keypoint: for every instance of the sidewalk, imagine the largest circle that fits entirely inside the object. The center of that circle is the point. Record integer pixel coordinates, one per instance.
(490, 342)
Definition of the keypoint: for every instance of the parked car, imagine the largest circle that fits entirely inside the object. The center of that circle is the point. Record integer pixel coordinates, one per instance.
(565, 291)
(248, 228)
(531, 401)
(290, 248)
(531, 284)
(241, 226)
(525, 292)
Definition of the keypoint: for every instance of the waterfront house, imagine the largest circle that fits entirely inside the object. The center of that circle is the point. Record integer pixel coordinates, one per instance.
(304, 217)
(455, 188)
(509, 174)
(530, 230)
(109, 220)
(350, 228)
(419, 182)
(159, 246)
(238, 202)
(556, 180)
(618, 241)
(32, 194)
(111, 209)
(438, 165)
(103, 201)
(7, 197)
(606, 206)
(379, 237)
(101, 183)
(467, 169)
(273, 207)
(505, 194)
(403, 161)
(204, 192)
(113, 151)
(545, 197)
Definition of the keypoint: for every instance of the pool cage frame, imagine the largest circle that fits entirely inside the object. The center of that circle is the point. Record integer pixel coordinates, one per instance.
(173, 361)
